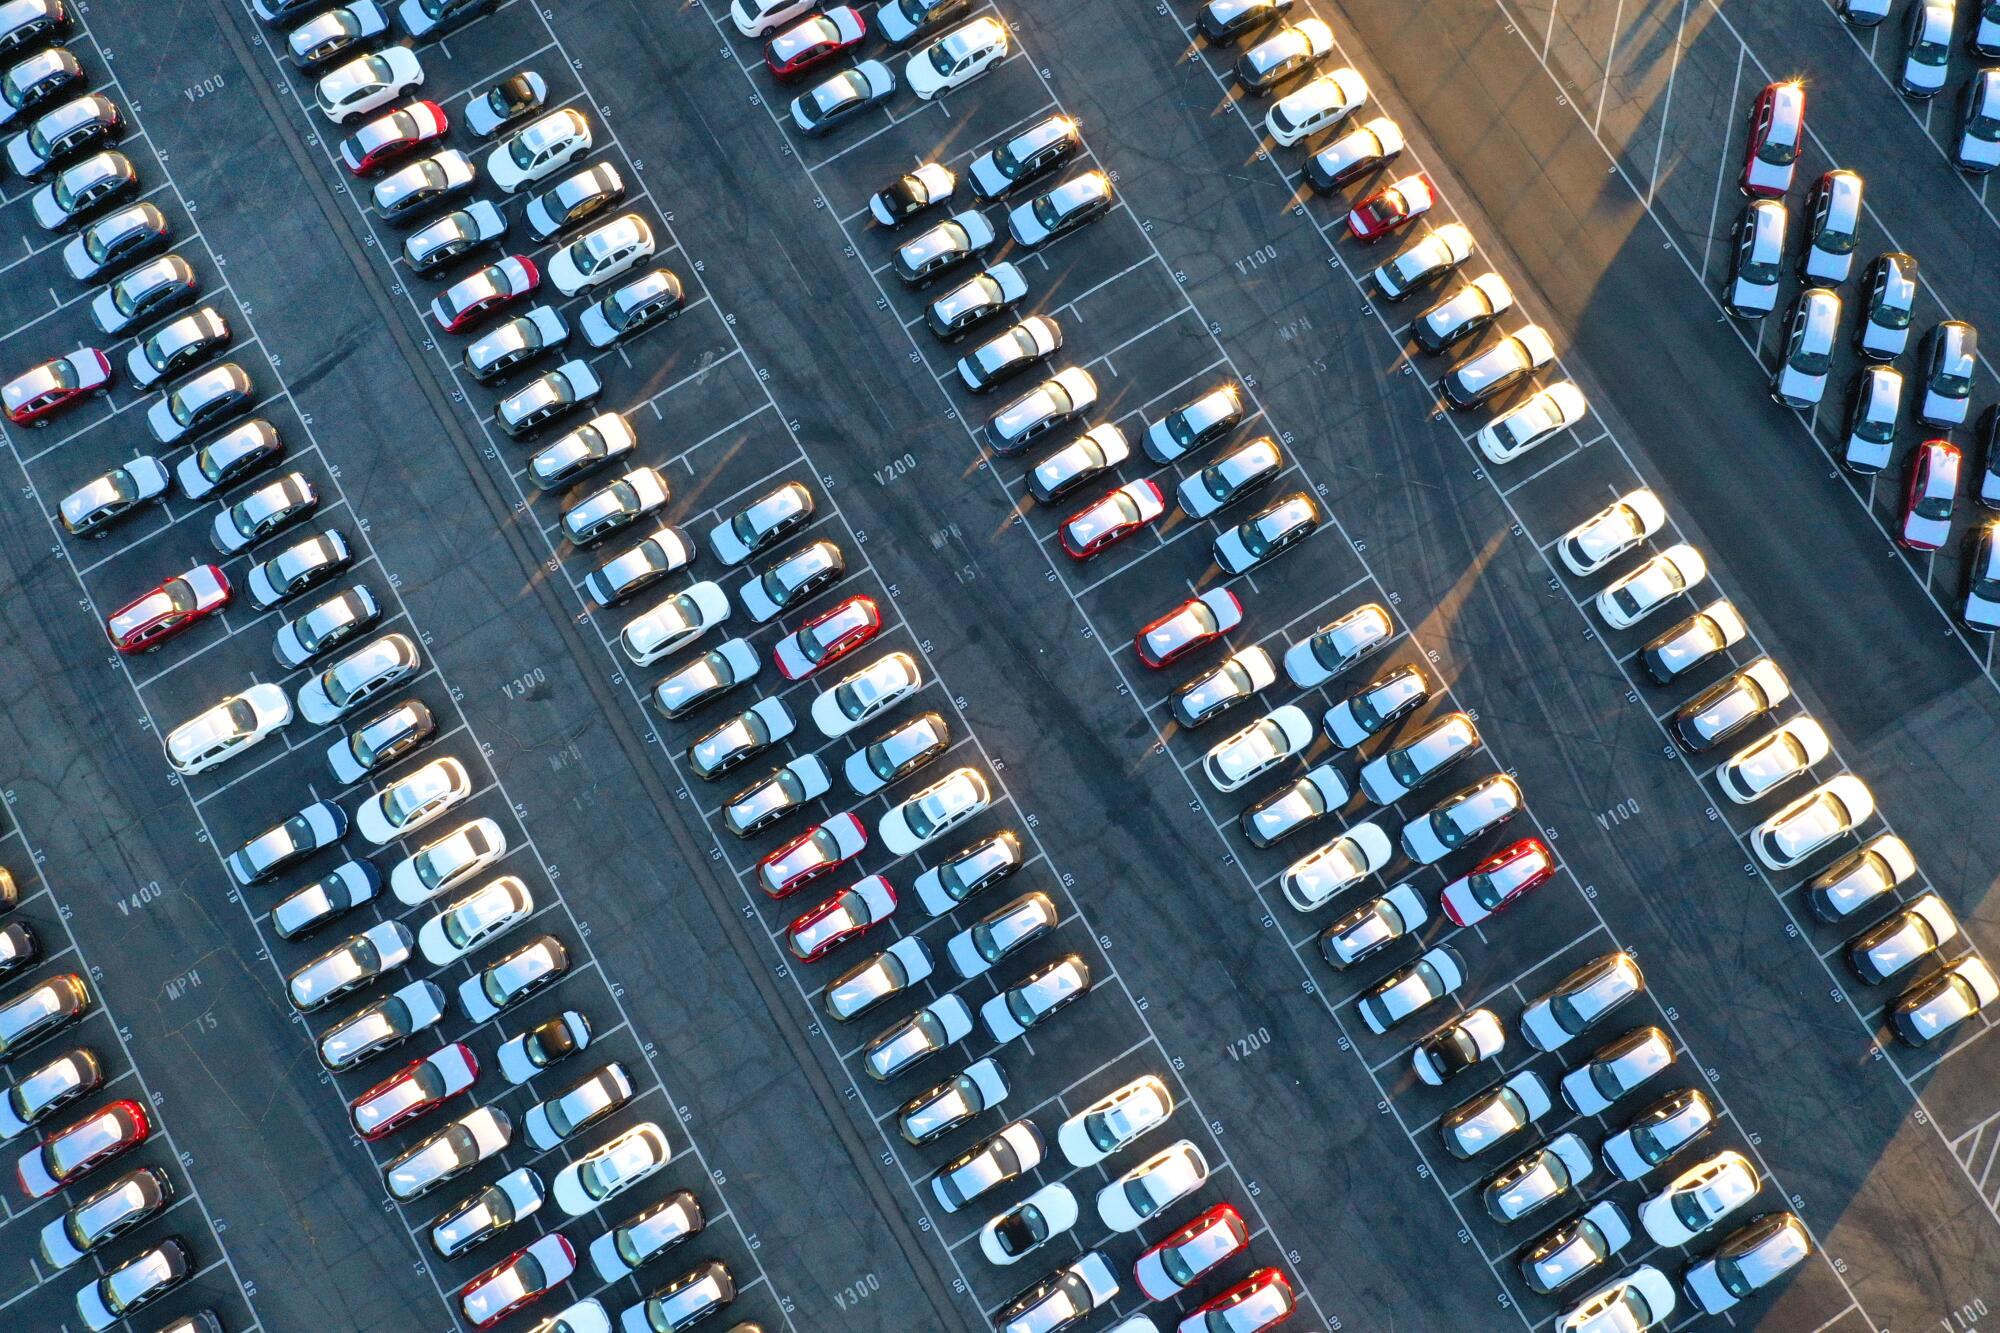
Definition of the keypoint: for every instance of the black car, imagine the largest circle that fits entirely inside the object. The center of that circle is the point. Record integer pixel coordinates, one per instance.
(33, 81)
(1233, 20)
(506, 102)
(583, 194)
(901, 22)
(912, 193)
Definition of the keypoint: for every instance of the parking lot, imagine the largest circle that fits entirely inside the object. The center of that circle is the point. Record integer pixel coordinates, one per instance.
(798, 356)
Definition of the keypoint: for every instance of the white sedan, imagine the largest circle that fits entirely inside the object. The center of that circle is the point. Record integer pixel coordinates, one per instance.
(1811, 822)
(1640, 1300)
(674, 623)
(1611, 531)
(934, 811)
(957, 58)
(1699, 1197)
(1761, 767)
(538, 150)
(1268, 741)
(1549, 412)
(1114, 1120)
(1314, 879)
(601, 254)
(1325, 101)
(610, 1169)
(234, 725)
(479, 917)
(368, 82)
(1151, 1187)
(413, 801)
(1652, 585)
(1338, 645)
(1012, 1234)
(865, 694)
(444, 864)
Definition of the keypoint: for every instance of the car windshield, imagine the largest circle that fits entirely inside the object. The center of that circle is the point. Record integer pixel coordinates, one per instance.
(1022, 1008)
(1373, 707)
(99, 242)
(130, 298)
(1266, 534)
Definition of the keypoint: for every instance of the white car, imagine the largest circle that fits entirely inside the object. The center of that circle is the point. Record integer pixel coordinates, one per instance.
(1336, 646)
(457, 1148)
(1616, 1068)
(1699, 1197)
(1324, 101)
(1549, 412)
(610, 1169)
(1762, 766)
(1268, 741)
(674, 623)
(601, 254)
(538, 150)
(754, 18)
(957, 58)
(367, 83)
(412, 801)
(1811, 822)
(1459, 818)
(1634, 596)
(305, 910)
(1230, 479)
(1012, 1234)
(1152, 1186)
(269, 509)
(1642, 1299)
(1316, 878)
(1494, 1116)
(234, 725)
(361, 675)
(474, 920)
(865, 694)
(968, 871)
(1611, 531)
(770, 799)
(1370, 710)
(1115, 1120)
(615, 506)
(444, 864)
(934, 811)
(1581, 1000)
(663, 551)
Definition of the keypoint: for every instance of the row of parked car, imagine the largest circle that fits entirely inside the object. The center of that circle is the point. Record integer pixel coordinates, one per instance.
(1947, 355)
(1326, 104)
(1929, 28)
(75, 1152)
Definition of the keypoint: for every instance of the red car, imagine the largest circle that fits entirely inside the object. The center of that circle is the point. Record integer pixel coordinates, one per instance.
(1498, 882)
(810, 855)
(414, 1090)
(1932, 495)
(814, 40)
(1777, 137)
(42, 389)
(854, 909)
(1178, 1261)
(1393, 206)
(1262, 1300)
(398, 134)
(828, 637)
(150, 620)
(73, 1153)
(523, 1276)
(1112, 518)
(1194, 623)
(488, 289)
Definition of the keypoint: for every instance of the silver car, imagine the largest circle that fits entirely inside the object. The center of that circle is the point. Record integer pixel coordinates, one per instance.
(1311, 796)
(934, 252)
(228, 458)
(1056, 401)
(1000, 933)
(211, 397)
(938, 1110)
(646, 1235)
(536, 965)
(573, 199)
(105, 499)
(1424, 757)
(486, 1212)
(1034, 151)
(326, 625)
(1581, 1000)
(707, 678)
(640, 492)
(969, 871)
(790, 581)
(313, 829)
(897, 753)
(1232, 478)
(1230, 682)
(500, 349)
(385, 1023)
(370, 670)
(644, 301)
(115, 238)
(878, 977)
(264, 512)
(742, 737)
(353, 963)
(1372, 927)
(1548, 1173)
(421, 184)
(666, 550)
(1579, 1246)
(1196, 424)
(1338, 645)
(685, 1301)
(452, 1151)
(456, 233)
(305, 910)
(1267, 534)
(547, 396)
(577, 1107)
(138, 294)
